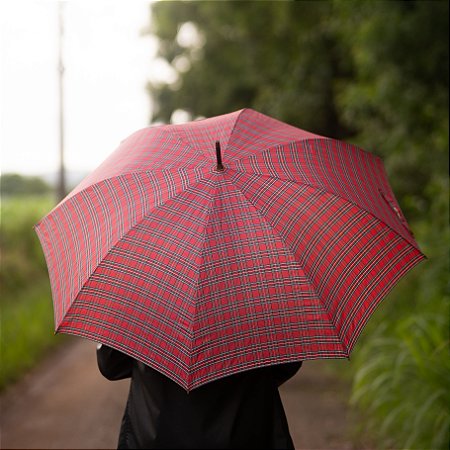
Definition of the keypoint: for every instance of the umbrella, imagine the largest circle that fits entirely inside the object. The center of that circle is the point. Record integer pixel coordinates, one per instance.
(226, 244)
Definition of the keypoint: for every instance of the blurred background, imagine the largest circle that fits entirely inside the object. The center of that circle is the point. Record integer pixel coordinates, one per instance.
(77, 77)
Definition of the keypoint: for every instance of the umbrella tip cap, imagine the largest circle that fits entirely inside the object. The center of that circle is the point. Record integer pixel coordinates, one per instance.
(219, 167)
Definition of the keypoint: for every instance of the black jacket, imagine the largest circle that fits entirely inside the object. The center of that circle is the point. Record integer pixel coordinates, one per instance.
(239, 411)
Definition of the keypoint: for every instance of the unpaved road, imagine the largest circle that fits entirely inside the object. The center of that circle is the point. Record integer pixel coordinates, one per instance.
(66, 404)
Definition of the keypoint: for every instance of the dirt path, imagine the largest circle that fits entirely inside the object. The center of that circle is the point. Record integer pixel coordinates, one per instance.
(66, 403)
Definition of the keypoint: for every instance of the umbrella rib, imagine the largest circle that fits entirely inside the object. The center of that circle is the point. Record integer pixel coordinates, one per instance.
(345, 348)
(200, 260)
(301, 141)
(92, 178)
(280, 140)
(175, 130)
(248, 156)
(89, 187)
(234, 127)
(188, 142)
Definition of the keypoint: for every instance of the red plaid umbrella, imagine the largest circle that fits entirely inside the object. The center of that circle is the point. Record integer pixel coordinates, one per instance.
(226, 244)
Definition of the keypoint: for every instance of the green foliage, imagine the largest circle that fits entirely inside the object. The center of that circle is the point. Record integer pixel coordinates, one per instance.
(26, 306)
(15, 184)
(402, 366)
(22, 257)
(398, 103)
(402, 381)
(26, 330)
(398, 99)
(374, 73)
(263, 55)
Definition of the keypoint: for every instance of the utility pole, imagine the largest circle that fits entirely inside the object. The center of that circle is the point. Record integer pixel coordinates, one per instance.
(61, 186)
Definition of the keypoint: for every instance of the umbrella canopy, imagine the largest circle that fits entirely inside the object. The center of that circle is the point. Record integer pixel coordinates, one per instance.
(226, 244)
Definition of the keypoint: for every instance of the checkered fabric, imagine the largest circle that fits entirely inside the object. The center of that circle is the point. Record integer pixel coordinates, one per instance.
(201, 273)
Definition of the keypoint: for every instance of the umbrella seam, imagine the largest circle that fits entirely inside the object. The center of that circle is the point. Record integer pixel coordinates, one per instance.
(241, 112)
(287, 246)
(171, 132)
(43, 237)
(210, 208)
(119, 176)
(419, 257)
(186, 141)
(309, 139)
(246, 157)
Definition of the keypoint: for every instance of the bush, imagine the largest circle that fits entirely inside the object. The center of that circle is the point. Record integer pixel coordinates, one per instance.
(402, 364)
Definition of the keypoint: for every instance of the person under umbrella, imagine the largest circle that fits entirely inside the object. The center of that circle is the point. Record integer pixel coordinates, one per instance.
(222, 250)
(239, 411)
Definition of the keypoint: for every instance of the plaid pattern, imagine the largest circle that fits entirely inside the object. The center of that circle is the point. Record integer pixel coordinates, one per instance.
(282, 256)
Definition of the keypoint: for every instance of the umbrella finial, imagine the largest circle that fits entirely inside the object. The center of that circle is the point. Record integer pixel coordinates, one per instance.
(219, 167)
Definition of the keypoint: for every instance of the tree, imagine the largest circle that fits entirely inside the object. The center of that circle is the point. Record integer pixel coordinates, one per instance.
(398, 103)
(374, 73)
(397, 99)
(15, 184)
(277, 57)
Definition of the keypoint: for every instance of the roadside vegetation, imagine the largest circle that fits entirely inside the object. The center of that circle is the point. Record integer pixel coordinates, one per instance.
(374, 74)
(26, 305)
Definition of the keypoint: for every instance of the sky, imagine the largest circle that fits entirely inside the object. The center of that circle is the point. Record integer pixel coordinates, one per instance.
(107, 65)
